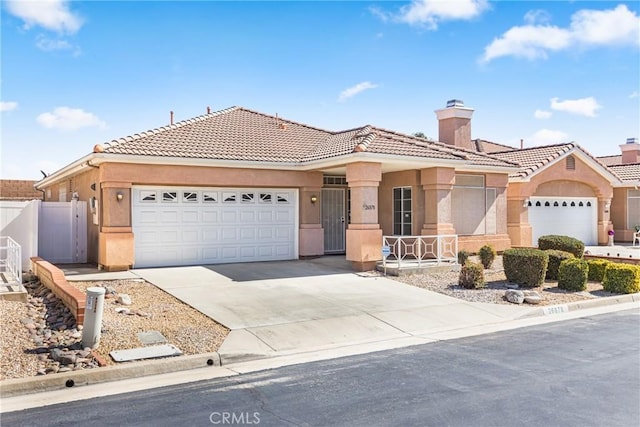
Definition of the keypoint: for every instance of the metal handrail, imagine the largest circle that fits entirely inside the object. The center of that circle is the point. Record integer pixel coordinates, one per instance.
(11, 259)
(419, 250)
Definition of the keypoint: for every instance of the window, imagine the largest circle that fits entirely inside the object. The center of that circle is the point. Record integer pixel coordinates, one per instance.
(265, 197)
(189, 196)
(633, 208)
(335, 180)
(473, 206)
(402, 211)
(147, 196)
(247, 197)
(282, 198)
(228, 197)
(571, 163)
(169, 196)
(209, 196)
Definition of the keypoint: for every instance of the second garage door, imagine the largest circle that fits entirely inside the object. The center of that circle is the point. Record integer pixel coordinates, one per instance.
(569, 216)
(190, 226)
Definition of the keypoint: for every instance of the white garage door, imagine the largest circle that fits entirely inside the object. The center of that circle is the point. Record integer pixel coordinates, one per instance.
(190, 226)
(568, 216)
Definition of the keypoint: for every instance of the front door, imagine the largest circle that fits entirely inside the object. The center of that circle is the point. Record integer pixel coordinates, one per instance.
(334, 219)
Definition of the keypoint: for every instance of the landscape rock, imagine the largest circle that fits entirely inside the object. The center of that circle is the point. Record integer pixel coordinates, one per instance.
(124, 299)
(532, 297)
(514, 296)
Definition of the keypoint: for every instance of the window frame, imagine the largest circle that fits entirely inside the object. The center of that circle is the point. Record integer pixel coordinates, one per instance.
(403, 223)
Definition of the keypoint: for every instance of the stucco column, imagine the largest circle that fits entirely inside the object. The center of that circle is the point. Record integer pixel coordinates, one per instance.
(311, 235)
(364, 236)
(115, 241)
(437, 184)
(604, 220)
(518, 227)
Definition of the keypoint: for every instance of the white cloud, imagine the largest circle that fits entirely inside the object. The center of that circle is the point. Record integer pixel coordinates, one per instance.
(8, 105)
(354, 90)
(548, 137)
(66, 118)
(588, 28)
(539, 16)
(634, 94)
(542, 114)
(53, 15)
(48, 45)
(583, 107)
(429, 13)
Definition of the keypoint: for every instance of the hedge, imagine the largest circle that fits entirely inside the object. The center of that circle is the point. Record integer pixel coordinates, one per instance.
(596, 269)
(555, 258)
(621, 278)
(524, 266)
(572, 274)
(562, 243)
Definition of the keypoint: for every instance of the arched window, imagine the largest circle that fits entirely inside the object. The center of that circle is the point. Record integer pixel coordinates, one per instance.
(571, 163)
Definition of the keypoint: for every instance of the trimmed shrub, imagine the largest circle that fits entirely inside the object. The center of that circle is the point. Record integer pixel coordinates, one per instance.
(572, 274)
(524, 266)
(596, 269)
(487, 254)
(562, 243)
(621, 278)
(471, 276)
(555, 258)
(463, 256)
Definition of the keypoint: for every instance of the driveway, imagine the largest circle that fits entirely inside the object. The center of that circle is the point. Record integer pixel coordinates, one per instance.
(279, 308)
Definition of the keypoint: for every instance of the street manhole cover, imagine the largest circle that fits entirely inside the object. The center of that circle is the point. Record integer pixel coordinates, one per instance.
(151, 337)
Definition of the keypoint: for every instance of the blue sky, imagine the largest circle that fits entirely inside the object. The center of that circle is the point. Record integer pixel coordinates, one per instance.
(79, 73)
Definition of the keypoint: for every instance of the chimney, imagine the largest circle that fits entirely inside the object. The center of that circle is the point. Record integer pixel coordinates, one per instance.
(171, 115)
(630, 151)
(454, 124)
(208, 110)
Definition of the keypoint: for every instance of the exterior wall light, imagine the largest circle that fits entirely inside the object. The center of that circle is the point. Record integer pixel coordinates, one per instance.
(314, 198)
(119, 196)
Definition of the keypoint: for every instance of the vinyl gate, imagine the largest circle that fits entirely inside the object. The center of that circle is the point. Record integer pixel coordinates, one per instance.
(62, 232)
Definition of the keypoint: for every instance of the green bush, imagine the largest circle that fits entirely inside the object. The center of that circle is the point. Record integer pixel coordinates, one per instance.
(487, 254)
(596, 269)
(471, 276)
(463, 256)
(555, 258)
(524, 266)
(621, 278)
(562, 243)
(572, 274)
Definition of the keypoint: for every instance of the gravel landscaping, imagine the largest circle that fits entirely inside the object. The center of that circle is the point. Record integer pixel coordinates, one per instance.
(40, 337)
(447, 283)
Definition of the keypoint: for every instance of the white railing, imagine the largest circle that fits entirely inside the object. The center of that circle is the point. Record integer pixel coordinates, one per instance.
(10, 262)
(416, 251)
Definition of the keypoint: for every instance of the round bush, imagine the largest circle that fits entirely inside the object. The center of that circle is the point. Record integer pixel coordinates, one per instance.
(463, 256)
(596, 269)
(524, 266)
(562, 243)
(572, 275)
(471, 276)
(555, 258)
(487, 254)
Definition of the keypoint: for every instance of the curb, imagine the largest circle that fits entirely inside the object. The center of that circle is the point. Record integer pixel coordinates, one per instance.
(41, 383)
(581, 305)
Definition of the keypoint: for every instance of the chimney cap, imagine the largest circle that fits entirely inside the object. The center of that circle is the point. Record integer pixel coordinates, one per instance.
(455, 103)
(632, 140)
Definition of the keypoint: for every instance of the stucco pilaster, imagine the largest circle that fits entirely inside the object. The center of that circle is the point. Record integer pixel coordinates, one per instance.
(437, 184)
(311, 234)
(364, 236)
(604, 220)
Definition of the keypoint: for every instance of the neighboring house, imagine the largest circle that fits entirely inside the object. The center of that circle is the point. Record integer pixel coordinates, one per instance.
(625, 208)
(238, 186)
(18, 190)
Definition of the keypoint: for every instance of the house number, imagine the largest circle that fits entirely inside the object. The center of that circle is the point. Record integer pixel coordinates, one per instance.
(368, 207)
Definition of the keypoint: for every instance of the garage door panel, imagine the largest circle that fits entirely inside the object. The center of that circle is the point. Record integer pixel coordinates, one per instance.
(188, 226)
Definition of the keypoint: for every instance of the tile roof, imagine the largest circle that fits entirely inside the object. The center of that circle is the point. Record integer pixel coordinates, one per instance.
(485, 146)
(611, 160)
(628, 172)
(241, 134)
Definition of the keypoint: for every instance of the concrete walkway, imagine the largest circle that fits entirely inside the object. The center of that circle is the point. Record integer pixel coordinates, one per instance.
(292, 307)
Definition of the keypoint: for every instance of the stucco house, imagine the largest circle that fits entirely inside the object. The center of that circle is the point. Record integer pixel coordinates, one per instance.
(237, 185)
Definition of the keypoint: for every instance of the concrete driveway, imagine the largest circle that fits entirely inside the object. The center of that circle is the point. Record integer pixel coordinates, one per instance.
(280, 308)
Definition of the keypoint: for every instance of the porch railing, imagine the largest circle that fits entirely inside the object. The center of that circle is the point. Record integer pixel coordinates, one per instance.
(10, 262)
(416, 251)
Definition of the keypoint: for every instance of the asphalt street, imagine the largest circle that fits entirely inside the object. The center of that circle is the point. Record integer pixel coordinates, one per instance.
(582, 372)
